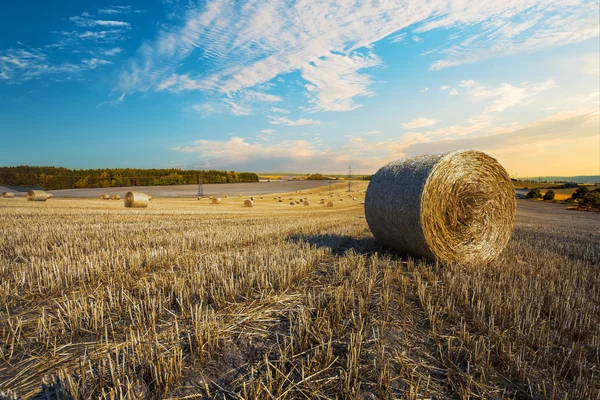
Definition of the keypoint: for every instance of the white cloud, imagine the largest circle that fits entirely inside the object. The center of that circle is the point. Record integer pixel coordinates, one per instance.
(279, 110)
(445, 87)
(506, 142)
(424, 90)
(289, 122)
(87, 22)
(417, 39)
(453, 92)
(374, 133)
(237, 109)
(242, 45)
(399, 38)
(506, 95)
(419, 123)
(268, 131)
(113, 51)
(118, 10)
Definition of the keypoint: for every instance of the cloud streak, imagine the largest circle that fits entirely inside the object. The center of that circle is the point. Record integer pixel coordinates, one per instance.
(330, 44)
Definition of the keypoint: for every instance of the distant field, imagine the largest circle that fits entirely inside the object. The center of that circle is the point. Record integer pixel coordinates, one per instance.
(230, 189)
(187, 298)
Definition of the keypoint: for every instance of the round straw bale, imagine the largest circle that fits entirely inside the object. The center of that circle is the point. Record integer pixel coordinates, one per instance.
(216, 200)
(248, 203)
(306, 203)
(136, 199)
(322, 201)
(452, 207)
(116, 197)
(104, 197)
(354, 198)
(280, 200)
(37, 195)
(50, 195)
(252, 198)
(329, 204)
(8, 195)
(292, 203)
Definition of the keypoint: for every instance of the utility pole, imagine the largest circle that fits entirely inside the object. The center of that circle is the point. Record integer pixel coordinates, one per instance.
(200, 184)
(350, 178)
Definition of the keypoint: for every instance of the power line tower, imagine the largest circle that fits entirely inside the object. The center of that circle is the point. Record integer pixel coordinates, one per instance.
(200, 184)
(350, 178)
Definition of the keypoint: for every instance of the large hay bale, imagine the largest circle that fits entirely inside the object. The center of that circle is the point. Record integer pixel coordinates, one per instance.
(216, 200)
(8, 195)
(248, 203)
(136, 200)
(37, 195)
(116, 197)
(104, 197)
(452, 207)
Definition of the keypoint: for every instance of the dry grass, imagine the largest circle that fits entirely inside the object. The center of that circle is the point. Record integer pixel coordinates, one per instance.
(187, 299)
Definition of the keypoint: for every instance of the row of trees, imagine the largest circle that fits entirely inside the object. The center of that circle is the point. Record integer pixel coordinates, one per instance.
(582, 195)
(52, 178)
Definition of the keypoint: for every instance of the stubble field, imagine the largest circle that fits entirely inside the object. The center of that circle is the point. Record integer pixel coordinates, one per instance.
(186, 299)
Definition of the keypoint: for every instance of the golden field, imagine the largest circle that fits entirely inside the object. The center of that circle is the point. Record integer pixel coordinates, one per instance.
(187, 299)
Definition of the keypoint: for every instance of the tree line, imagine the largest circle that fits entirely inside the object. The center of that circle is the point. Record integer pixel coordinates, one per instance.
(52, 178)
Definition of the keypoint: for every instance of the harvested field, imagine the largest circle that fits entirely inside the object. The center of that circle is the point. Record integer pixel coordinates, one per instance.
(187, 299)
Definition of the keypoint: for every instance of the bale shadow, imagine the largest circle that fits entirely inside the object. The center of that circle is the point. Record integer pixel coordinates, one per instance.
(340, 244)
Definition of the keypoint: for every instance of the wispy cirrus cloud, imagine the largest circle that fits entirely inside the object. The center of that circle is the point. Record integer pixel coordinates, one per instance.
(419, 123)
(506, 95)
(290, 122)
(90, 23)
(330, 44)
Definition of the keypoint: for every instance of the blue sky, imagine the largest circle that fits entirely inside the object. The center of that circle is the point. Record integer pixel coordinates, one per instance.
(304, 86)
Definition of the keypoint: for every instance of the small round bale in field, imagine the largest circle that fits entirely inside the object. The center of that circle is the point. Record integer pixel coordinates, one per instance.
(149, 198)
(306, 203)
(37, 195)
(329, 204)
(252, 198)
(292, 203)
(105, 197)
(452, 207)
(280, 200)
(216, 200)
(8, 195)
(322, 201)
(136, 200)
(248, 203)
(116, 197)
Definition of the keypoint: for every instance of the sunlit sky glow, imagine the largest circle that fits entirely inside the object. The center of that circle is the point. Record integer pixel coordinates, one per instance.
(304, 86)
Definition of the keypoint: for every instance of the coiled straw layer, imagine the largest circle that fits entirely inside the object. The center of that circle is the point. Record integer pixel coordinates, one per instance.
(452, 207)
(136, 199)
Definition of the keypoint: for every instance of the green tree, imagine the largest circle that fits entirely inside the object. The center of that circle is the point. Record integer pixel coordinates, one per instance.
(534, 193)
(549, 195)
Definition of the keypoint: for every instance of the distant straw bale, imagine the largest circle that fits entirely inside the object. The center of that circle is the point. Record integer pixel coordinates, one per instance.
(452, 207)
(292, 203)
(8, 195)
(136, 200)
(329, 204)
(116, 197)
(306, 203)
(216, 200)
(37, 195)
(248, 203)
(104, 197)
